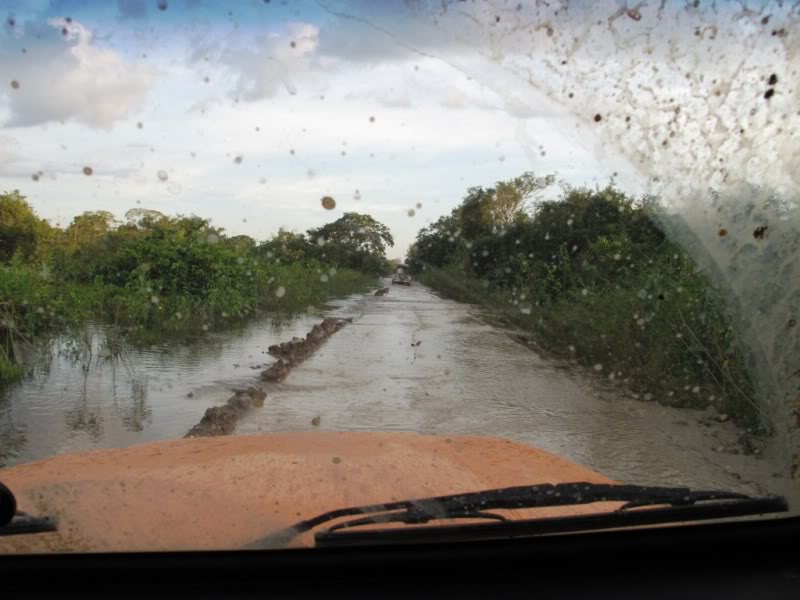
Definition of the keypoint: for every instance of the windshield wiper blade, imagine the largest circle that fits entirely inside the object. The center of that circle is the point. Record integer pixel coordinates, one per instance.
(473, 505)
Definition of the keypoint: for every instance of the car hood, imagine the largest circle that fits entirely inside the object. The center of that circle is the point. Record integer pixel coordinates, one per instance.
(223, 493)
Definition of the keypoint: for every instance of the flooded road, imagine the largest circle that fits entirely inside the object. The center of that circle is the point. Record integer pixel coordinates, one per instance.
(414, 361)
(410, 361)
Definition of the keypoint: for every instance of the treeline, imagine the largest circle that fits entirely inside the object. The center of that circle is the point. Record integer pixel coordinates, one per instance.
(157, 270)
(594, 276)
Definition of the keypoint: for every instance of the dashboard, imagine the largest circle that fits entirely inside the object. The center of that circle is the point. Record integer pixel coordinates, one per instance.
(754, 559)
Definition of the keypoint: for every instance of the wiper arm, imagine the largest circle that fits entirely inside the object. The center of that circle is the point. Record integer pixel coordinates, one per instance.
(405, 517)
(16, 522)
(473, 505)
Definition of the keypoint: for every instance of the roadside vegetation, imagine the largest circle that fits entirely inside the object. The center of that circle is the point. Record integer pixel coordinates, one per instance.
(592, 275)
(157, 271)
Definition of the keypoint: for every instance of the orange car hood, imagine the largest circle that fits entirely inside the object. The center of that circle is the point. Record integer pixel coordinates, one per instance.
(223, 493)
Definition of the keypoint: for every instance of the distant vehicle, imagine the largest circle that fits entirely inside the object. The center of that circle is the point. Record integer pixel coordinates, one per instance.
(401, 276)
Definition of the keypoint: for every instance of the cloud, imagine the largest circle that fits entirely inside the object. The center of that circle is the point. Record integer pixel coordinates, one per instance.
(388, 97)
(8, 145)
(63, 76)
(273, 62)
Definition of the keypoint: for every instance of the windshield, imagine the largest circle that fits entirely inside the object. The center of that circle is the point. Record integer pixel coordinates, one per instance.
(261, 261)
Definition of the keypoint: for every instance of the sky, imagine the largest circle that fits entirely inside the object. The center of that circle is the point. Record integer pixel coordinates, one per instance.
(249, 112)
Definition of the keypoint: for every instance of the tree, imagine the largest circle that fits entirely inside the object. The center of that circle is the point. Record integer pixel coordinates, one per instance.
(21, 231)
(355, 231)
(436, 244)
(88, 228)
(287, 246)
(241, 243)
(475, 213)
(513, 197)
(144, 218)
(354, 240)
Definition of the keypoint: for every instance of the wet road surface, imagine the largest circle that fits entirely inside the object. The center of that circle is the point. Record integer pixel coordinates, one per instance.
(410, 361)
(416, 362)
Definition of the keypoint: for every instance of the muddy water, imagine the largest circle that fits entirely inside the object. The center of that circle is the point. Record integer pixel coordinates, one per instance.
(410, 361)
(414, 361)
(77, 400)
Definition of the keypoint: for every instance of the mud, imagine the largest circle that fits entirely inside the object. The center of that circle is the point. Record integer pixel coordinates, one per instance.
(295, 351)
(221, 420)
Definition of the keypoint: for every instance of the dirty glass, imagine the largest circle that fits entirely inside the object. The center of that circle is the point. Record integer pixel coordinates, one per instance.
(264, 259)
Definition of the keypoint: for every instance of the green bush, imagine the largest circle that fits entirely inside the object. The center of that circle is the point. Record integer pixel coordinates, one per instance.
(594, 277)
(166, 272)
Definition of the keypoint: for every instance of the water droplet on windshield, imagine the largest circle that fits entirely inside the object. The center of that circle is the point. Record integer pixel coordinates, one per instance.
(328, 203)
(87, 171)
(238, 160)
(280, 292)
(162, 175)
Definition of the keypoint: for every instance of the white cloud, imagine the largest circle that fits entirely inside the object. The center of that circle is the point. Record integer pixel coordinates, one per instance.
(63, 76)
(273, 61)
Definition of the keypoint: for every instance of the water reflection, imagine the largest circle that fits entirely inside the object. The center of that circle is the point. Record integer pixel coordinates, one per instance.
(101, 387)
(136, 413)
(12, 436)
